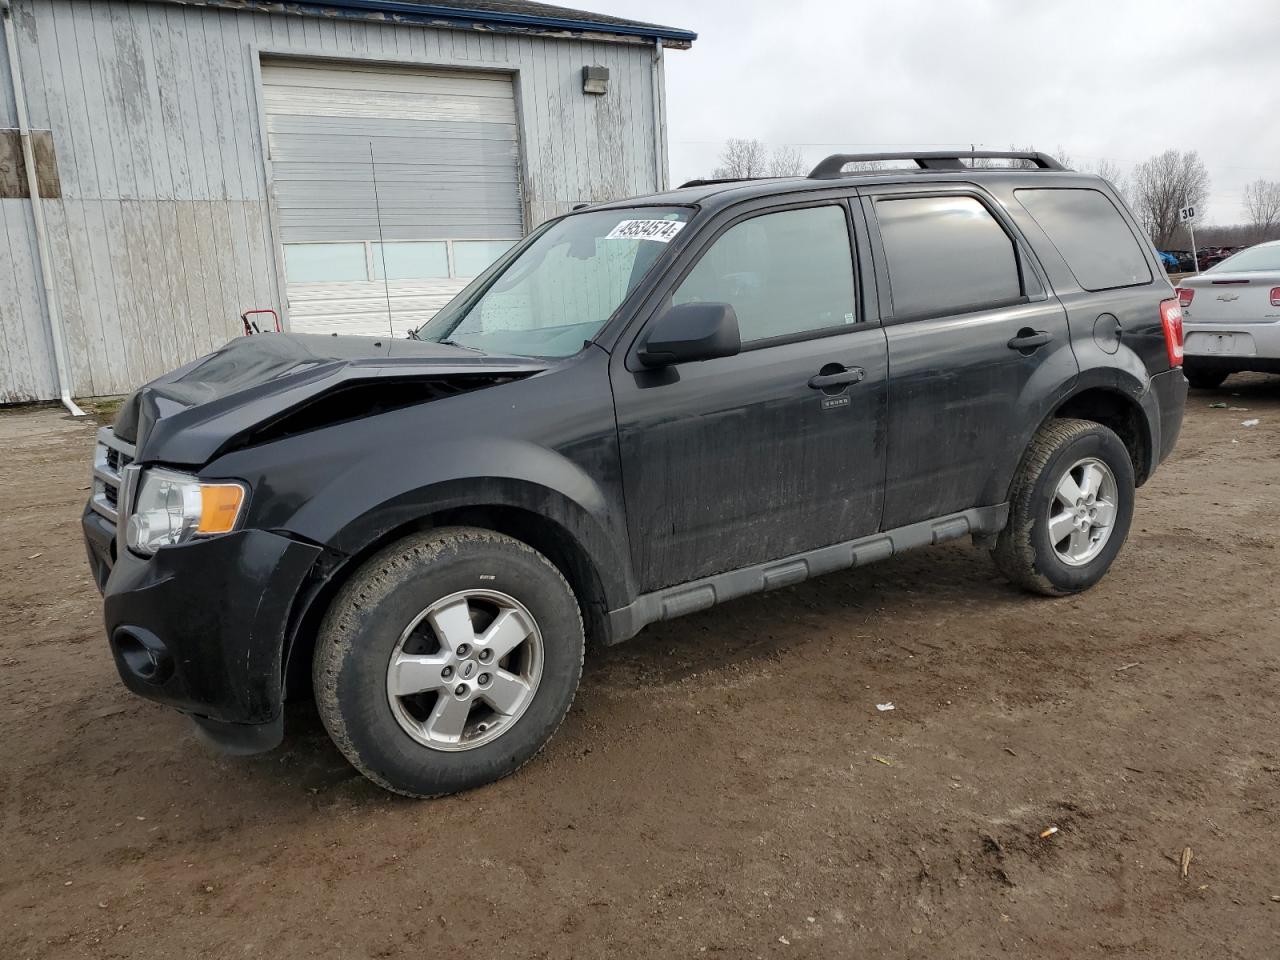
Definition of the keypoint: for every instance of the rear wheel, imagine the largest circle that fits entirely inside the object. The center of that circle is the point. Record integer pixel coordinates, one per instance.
(448, 660)
(1070, 509)
(1203, 378)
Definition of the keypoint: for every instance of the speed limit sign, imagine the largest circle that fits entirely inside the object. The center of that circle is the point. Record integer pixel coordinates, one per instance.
(1186, 214)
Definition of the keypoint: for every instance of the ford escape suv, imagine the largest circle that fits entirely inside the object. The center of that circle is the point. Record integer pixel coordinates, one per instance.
(645, 408)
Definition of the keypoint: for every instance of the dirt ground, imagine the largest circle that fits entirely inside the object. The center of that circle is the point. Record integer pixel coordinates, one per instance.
(724, 785)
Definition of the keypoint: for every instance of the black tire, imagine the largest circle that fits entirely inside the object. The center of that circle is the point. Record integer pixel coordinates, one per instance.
(363, 626)
(1022, 551)
(1203, 378)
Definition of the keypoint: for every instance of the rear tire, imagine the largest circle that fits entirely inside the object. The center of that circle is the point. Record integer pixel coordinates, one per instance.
(1203, 378)
(1055, 542)
(405, 703)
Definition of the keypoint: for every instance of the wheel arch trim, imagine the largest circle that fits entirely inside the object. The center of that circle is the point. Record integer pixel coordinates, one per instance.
(555, 525)
(1096, 390)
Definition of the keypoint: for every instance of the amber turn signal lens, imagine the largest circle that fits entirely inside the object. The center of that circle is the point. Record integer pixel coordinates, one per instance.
(219, 507)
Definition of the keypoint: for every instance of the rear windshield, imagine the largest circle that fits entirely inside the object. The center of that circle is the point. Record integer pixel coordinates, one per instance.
(1091, 234)
(1263, 257)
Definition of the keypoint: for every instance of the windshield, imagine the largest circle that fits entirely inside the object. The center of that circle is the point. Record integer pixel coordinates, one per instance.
(1261, 257)
(554, 294)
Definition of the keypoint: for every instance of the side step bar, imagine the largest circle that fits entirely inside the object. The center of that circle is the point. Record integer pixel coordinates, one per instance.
(672, 602)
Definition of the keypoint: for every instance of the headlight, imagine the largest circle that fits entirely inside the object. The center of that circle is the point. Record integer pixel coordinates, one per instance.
(175, 508)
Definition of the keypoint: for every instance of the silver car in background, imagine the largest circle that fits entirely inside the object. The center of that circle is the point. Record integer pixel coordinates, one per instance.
(1231, 317)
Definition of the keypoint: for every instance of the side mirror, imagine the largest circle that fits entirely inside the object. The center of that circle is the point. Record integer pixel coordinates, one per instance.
(691, 331)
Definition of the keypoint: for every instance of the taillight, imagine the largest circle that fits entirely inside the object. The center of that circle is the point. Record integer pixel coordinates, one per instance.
(1185, 295)
(1171, 320)
(1275, 296)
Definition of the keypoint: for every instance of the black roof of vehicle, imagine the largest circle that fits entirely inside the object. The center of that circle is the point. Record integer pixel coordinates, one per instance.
(825, 176)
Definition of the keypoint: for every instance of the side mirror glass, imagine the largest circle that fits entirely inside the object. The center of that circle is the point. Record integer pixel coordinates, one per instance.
(691, 331)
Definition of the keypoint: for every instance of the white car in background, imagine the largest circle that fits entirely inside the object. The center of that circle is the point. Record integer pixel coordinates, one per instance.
(1231, 317)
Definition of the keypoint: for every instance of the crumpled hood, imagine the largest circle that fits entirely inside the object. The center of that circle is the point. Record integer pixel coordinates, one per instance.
(185, 416)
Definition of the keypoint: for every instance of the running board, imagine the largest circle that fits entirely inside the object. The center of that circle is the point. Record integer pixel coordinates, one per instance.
(672, 602)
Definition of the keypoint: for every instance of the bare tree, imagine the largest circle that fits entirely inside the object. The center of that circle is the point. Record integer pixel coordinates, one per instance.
(1237, 235)
(1262, 206)
(1063, 157)
(1164, 184)
(990, 163)
(742, 158)
(787, 162)
(1108, 170)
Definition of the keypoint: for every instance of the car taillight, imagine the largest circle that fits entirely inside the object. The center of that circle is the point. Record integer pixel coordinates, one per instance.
(1171, 320)
(1185, 295)
(1275, 296)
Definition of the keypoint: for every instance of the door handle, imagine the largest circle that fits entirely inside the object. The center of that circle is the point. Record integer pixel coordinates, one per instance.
(1029, 340)
(821, 381)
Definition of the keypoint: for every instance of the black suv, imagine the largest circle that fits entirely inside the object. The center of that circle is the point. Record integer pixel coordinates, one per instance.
(644, 409)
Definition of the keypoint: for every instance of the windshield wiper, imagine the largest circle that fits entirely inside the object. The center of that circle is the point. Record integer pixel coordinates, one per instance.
(455, 343)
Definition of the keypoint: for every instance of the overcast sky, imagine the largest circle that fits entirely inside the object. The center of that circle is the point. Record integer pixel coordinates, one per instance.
(1121, 79)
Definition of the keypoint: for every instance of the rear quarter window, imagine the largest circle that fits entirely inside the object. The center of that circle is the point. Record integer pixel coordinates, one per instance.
(1091, 234)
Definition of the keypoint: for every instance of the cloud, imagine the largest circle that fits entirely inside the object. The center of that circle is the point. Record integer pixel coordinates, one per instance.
(1109, 79)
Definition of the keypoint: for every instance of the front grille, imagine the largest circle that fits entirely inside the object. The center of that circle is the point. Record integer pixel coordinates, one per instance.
(110, 458)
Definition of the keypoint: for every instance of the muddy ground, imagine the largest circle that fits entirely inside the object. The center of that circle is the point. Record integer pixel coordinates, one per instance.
(724, 785)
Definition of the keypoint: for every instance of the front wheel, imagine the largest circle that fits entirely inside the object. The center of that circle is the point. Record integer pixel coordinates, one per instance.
(448, 661)
(1070, 509)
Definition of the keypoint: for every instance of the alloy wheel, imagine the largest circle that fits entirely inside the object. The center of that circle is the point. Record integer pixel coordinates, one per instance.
(465, 670)
(1083, 511)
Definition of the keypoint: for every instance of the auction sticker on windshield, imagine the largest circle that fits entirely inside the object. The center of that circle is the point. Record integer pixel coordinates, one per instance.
(660, 230)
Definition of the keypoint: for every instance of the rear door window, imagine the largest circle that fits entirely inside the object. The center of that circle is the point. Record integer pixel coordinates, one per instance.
(1091, 234)
(946, 255)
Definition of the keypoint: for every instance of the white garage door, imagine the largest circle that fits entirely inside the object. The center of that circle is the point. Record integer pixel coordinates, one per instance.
(393, 188)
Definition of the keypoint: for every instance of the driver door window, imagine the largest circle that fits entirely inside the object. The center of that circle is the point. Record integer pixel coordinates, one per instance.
(784, 274)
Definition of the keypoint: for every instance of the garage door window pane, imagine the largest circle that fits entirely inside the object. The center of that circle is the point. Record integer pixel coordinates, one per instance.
(1091, 235)
(946, 255)
(472, 257)
(783, 273)
(411, 260)
(324, 262)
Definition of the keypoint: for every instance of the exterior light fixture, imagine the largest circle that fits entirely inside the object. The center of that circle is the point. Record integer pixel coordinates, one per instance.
(595, 79)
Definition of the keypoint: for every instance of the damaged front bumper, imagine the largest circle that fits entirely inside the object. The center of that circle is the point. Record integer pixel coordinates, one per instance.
(201, 626)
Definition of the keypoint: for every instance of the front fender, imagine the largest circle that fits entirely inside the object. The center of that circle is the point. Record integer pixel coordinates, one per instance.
(546, 484)
(547, 445)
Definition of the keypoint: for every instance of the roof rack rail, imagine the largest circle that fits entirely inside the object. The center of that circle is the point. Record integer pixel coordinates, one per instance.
(711, 181)
(831, 167)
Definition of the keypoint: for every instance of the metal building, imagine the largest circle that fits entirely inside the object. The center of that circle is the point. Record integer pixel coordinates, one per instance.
(346, 163)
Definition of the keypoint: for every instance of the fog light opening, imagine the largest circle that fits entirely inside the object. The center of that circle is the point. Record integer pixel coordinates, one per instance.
(143, 655)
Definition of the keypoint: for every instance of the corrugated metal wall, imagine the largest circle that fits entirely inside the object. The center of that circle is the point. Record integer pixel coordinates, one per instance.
(163, 234)
(26, 358)
(8, 115)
